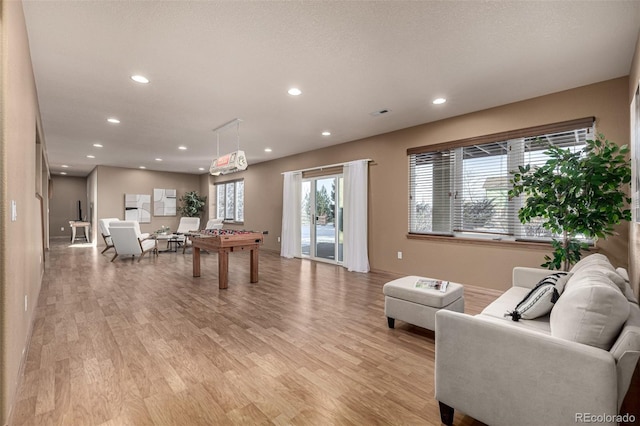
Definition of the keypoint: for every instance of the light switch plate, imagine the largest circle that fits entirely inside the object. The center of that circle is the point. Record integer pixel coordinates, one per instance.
(14, 211)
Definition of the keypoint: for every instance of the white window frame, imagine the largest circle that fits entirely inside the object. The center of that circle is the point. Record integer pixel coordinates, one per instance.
(237, 186)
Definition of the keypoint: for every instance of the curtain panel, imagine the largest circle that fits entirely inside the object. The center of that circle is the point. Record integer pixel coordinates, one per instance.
(291, 199)
(356, 258)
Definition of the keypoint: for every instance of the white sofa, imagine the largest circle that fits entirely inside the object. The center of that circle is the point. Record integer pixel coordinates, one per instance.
(128, 240)
(576, 361)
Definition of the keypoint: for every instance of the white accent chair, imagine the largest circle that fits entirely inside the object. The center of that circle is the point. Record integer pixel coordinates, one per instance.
(104, 230)
(187, 224)
(214, 224)
(128, 240)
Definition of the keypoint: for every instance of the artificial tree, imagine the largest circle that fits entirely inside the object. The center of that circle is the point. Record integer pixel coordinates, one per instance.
(192, 204)
(576, 194)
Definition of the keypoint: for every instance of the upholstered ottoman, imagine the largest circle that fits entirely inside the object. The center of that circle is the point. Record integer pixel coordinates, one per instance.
(418, 306)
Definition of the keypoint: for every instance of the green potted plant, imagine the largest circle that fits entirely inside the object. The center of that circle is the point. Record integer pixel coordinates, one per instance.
(575, 194)
(192, 204)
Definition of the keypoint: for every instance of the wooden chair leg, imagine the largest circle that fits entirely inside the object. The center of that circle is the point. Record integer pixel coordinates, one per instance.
(114, 257)
(446, 414)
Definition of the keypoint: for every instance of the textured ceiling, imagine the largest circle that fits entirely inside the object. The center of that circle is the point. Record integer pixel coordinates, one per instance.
(210, 62)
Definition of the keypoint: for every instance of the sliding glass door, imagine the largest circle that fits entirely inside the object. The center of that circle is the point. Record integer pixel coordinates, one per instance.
(321, 218)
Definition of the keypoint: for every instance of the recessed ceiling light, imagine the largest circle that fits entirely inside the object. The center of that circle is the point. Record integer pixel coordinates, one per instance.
(158, 159)
(439, 101)
(294, 91)
(268, 150)
(113, 120)
(201, 168)
(91, 156)
(140, 79)
(97, 145)
(64, 166)
(142, 167)
(326, 133)
(63, 173)
(182, 147)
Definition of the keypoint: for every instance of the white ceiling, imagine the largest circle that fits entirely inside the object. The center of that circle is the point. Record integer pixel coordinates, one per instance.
(210, 62)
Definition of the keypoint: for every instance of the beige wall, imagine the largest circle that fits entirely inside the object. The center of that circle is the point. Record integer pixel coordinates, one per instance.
(92, 197)
(114, 182)
(205, 189)
(21, 244)
(67, 191)
(634, 232)
(478, 264)
(490, 266)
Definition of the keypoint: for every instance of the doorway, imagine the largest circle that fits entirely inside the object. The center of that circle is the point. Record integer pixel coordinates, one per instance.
(321, 218)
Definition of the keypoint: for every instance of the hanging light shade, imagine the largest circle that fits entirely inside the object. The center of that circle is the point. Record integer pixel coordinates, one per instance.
(232, 162)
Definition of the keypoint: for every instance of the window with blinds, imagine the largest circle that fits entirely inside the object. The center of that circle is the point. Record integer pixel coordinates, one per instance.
(461, 188)
(230, 201)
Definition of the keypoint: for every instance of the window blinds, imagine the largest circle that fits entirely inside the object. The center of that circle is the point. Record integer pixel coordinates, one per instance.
(462, 188)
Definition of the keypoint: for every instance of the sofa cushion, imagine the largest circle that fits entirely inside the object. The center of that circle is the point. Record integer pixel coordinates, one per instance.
(597, 262)
(628, 293)
(507, 301)
(593, 260)
(540, 300)
(539, 325)
(592, 311)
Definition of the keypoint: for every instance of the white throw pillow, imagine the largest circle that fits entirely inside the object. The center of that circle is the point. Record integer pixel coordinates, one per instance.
(540, 300)
(592, 312)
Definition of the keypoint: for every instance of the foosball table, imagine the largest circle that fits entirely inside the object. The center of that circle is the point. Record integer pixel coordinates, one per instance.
(225, 241)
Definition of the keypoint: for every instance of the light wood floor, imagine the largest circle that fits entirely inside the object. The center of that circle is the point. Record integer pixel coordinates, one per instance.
(129, 343)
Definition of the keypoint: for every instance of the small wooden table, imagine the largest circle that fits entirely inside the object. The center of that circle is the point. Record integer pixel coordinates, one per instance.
(225, 241)
(79, 224)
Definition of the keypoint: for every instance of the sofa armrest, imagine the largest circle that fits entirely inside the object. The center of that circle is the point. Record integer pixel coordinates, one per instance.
(528, 277)
(501, 374)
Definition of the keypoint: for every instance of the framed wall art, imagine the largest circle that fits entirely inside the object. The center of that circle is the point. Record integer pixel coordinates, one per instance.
(137, 207)
(164, 202)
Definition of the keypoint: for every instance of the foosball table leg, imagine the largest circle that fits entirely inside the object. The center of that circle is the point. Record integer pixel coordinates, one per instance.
(223, 268)
(196, 261)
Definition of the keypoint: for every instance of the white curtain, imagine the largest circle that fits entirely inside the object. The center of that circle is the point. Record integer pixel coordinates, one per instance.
(291, 199)
(356, 258)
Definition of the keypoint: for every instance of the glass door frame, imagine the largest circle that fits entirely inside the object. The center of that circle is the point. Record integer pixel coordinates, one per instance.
(312, 223)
